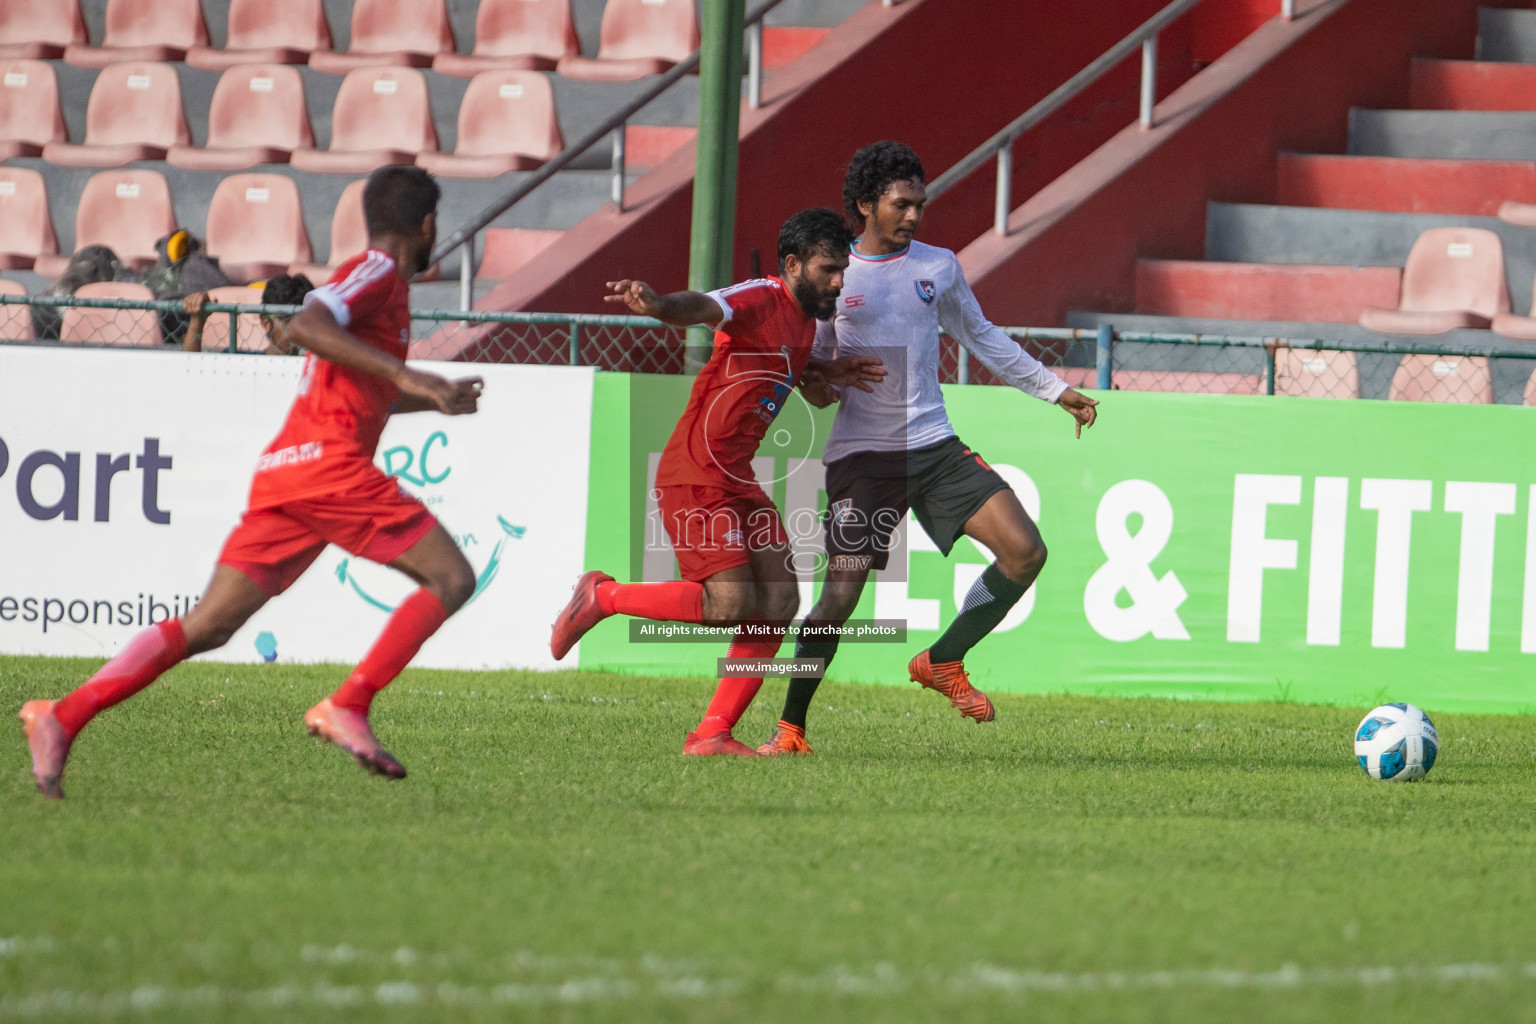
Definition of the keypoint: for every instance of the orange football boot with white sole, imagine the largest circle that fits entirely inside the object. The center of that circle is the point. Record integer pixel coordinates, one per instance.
(351, 732)
(787, 741)
(50, 746)
(580, 614)
(715, 745)
(950, 679)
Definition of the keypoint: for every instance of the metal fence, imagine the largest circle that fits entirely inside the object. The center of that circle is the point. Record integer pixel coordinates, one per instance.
(1424, 369)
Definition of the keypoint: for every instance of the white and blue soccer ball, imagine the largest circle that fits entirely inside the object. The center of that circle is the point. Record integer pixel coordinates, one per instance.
(1396, 743)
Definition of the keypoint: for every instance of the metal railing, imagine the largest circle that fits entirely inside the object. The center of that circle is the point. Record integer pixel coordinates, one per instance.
(1000, 146)
(464, 237)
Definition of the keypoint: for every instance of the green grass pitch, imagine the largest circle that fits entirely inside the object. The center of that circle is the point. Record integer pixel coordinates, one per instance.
(553, 858)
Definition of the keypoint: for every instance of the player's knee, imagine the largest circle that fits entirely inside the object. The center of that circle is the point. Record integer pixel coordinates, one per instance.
(206, 634)
(728, 605)
(781, 604)
(1024, 562)
(455, 585)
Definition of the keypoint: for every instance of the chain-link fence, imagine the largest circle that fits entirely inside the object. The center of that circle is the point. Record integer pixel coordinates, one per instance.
(1390, 368)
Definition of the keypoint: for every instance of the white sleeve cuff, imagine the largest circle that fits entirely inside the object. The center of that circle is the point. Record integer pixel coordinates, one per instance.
(327, 297)
(725, 306)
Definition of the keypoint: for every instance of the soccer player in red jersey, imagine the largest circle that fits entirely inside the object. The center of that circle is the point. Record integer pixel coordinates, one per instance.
(731, 546)
(317, 484)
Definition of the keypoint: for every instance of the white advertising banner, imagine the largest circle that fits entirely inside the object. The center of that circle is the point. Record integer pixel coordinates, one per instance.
(121, 474)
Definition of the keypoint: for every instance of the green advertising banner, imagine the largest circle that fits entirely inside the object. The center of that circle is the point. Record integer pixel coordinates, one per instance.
(1227, 547)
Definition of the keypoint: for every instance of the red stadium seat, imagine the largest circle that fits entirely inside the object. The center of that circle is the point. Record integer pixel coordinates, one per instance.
(40, 29)
(30, 117)
(128, 211)
(249, 335)
(349, 235)
(267, 32)
(15, 321)
(138, 327)
(515, 35)
(506, 123)
(256, 226)
(381, 117)
(26, 229)
(1454, 278)
(1431, 378)
(134, 114)
(1512, 326)
(144, 30)
(257, 116)
(399, 33)
(1307, 373)
(638, 38)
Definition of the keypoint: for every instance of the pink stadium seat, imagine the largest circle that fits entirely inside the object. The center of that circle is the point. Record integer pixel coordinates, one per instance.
(30, 117)
(515, 35)
(506, 123)
(257, 116)
(143, 30)
(509, 249)
(1512, 326)
(1431, 378)
(127, 211)
(1514, 212)
(1454, 278)
(638, 38)
(139, 327)
(1309, 373)
(267, 32)
(349, 235)
(401, 33)
(15, 321)
(26, 229)
(134, 114)
(256, 226)
(249, 336)
(40, 29)
(381, 117)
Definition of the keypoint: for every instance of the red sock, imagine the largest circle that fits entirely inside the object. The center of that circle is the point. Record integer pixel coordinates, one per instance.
(734, 694)
(145, 658)
(417, 618)
(678, 601)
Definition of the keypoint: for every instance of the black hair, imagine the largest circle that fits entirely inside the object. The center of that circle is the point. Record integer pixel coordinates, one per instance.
(397, 199)
(813, 231)
(286, 290)
(871, 172)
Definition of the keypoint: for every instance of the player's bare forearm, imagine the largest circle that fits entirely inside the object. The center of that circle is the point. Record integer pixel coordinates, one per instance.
(816, 390)
(679, 309)
(315, 329)
(411, 403)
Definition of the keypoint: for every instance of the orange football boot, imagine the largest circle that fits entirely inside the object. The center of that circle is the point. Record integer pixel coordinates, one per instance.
(580, 614)
(949, 678)
(50, 746)
(714, 745)
(350, 731)
(787, 741)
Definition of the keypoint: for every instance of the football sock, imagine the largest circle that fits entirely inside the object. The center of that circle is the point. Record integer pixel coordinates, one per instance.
(678, 601)
(797, 701)
(991, 596)
(735, 693)
(417, 618)
(145, 658)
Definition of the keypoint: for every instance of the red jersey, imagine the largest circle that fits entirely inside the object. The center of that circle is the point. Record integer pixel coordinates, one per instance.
(761, 347)
(333, 428)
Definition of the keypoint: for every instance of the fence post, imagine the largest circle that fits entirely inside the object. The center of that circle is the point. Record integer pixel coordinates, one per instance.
(962, 365)
(234, 328)
(618, 166)
(1269, 367)
(575, 343)
(1148, 80)
(1106, 356)
(467, 274)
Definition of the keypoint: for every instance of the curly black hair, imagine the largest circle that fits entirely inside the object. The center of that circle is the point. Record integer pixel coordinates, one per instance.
(871, 172)
(817, 230)
(286, 290)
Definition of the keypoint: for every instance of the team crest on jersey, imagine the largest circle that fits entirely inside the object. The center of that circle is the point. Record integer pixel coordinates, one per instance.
(926, 291)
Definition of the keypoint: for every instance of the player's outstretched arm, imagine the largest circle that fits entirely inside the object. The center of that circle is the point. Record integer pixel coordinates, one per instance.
(850, 371)
(680, 309)
(1083, 409)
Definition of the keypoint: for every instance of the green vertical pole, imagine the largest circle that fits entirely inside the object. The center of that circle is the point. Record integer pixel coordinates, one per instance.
(714, 180)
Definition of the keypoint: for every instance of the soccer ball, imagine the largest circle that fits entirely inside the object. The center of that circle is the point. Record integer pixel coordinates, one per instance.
(1396, 743)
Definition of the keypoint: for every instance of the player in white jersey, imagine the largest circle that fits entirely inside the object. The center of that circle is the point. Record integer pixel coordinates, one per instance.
(892, 449)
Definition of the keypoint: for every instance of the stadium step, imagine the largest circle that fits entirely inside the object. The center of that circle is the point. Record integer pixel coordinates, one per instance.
(1261, 291)
(1443, 134)
(1471, 85)
(1403, 184)
(1506, 35)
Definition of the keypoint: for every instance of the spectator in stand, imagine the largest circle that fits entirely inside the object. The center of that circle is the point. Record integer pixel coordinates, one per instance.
(88, 266)
(184, 268)
(286, 290)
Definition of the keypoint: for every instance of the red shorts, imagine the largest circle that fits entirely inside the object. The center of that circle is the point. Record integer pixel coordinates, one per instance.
(374, 520)
(713, 529)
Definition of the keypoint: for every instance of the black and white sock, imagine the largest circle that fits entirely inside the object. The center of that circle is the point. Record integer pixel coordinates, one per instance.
(990, 598)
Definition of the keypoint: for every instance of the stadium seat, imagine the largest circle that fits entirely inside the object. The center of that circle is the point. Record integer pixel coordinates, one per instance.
(249, 336)
(506, 123)
(40, 29)
(1454, 278)
(30, 116)
(1437, 378)
(381, 117)
(398, 33)
(267, 32)
(638, 38)
(125, 210)
(26, 229)
(349, 235)
(134, 114)
(257, 116)
(15, 321)
(508, 249)
(256, 226)
(1513, 212)
(1308, 373)
(515, 35)
(143, 30)
(139, 327)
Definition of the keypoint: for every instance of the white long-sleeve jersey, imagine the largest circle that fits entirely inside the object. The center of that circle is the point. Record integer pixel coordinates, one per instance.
(892, 307)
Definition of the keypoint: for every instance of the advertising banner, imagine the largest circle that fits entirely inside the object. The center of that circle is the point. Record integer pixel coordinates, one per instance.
(121, 474)
(1206, 546)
